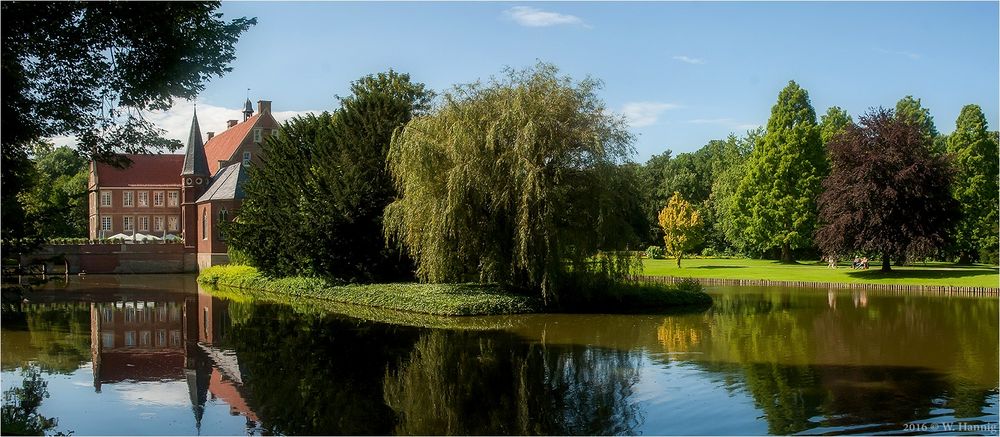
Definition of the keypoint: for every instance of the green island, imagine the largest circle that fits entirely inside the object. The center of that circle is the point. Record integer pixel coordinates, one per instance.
(467, 299)
(919, 273)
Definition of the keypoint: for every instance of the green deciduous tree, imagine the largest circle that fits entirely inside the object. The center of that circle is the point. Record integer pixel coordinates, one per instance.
(777, 195)
(57, 203)
(89, 69)
(888, 193)
(974, 155)
(726, 211)
(833, 122)
(314, 206)
(682, 227)
(515, 181)
(909, 110)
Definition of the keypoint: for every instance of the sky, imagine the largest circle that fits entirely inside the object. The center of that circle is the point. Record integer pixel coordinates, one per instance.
(682, 73)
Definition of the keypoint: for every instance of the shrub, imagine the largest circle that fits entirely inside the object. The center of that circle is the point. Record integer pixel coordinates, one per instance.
(654, 252)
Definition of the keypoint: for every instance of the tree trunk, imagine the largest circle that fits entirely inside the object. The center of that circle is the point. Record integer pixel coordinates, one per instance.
(885, 263)
(964, 258)
(786, 254)
(678, 261)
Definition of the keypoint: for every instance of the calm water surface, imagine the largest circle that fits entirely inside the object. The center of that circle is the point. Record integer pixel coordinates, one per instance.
(153, 355)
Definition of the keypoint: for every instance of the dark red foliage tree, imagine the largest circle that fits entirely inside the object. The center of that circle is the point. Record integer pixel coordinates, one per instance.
(887, 193)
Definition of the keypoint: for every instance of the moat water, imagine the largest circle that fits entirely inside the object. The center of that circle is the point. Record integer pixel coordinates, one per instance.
(139, 355)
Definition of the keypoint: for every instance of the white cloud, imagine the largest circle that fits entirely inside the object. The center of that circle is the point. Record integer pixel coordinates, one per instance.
(908, 54)
(689, 60)
(177, 120)
(640, 114)
(532, 17)
(211, 118)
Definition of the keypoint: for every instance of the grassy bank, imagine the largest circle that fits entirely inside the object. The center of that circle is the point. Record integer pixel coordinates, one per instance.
(436, 299)
(938, 274)
(450, 299)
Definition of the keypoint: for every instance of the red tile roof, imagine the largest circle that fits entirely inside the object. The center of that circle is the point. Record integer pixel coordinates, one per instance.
(223, 145)
(146, 170)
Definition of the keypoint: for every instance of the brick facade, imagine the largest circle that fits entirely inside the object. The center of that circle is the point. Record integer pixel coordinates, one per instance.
(163, 194)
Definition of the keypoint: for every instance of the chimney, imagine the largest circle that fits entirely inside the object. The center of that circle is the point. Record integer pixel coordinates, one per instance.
(222, 163)
(263, 106)
(210, 135)
(230, 123)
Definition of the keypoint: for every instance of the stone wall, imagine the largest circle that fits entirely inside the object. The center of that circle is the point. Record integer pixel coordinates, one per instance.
(114, 258)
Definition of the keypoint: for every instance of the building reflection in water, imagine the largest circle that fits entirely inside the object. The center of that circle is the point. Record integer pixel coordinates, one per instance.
(169, 337)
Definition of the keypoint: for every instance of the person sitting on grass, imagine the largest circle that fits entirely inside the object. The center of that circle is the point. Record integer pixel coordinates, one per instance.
(864, 263)
(856, 264)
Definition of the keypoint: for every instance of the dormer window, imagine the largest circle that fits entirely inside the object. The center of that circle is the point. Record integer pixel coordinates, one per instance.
(246, 158)
(258, 134)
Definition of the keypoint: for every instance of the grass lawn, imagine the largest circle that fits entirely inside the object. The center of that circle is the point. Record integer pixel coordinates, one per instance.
(941, 274)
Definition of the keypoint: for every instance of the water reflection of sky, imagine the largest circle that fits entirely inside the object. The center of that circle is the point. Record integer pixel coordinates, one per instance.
(162, 408)
(680, 398)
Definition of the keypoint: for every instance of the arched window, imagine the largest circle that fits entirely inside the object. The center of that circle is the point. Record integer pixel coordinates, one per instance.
(204, 224)
(223, 219)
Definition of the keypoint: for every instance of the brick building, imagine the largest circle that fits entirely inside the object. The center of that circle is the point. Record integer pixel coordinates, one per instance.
(182, 195)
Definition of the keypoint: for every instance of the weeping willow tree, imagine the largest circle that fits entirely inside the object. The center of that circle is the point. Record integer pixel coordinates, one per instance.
(517, 181)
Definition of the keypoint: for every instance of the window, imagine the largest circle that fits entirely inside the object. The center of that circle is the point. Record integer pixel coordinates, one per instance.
(173, 198)
(108, 315)
(172, 223)
(157, 198)
(258, 134)
(161, 316)
(145, 338)
(105, 198)
(175, 337)
(144, 223)
(128, 223)
(204, 224)
(105, 223)
(144, 198)
(129, 312)
(161, 338)
(223, 218)
(274, 133)
(129, 338)
(246, 158)
(108, 339)
(127, 198)
(158, 223)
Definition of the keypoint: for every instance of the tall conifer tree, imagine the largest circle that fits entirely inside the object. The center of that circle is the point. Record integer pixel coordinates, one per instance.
(782, 181)
(974, 155)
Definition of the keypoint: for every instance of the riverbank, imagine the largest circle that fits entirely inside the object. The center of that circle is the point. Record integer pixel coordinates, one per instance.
(922, 274)
(451, 299)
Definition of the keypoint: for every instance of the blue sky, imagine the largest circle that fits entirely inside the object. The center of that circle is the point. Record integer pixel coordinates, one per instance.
(684, 73)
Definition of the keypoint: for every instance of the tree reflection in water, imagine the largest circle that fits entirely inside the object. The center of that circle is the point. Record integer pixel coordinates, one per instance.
(468, 383)
(326, 374)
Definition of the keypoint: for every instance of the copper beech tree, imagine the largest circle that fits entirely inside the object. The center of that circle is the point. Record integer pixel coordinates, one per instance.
(888, 193)
(682, 226)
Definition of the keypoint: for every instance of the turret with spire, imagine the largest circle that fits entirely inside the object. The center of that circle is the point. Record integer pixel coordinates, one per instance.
(195, 179)
(247, 110)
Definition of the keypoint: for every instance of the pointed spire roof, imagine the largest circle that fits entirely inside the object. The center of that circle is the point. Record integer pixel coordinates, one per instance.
(195, 162)
(247, 109)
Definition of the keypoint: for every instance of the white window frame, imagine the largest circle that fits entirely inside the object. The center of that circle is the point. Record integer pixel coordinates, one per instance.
(106, 198)
(106, 223)
(158, 223)
(173, 223)
(173, 198)
(128, 223)
(144, 223)
(158, 197)
(258, 135)
(247, 156)
(144, 199)
(128, 199)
